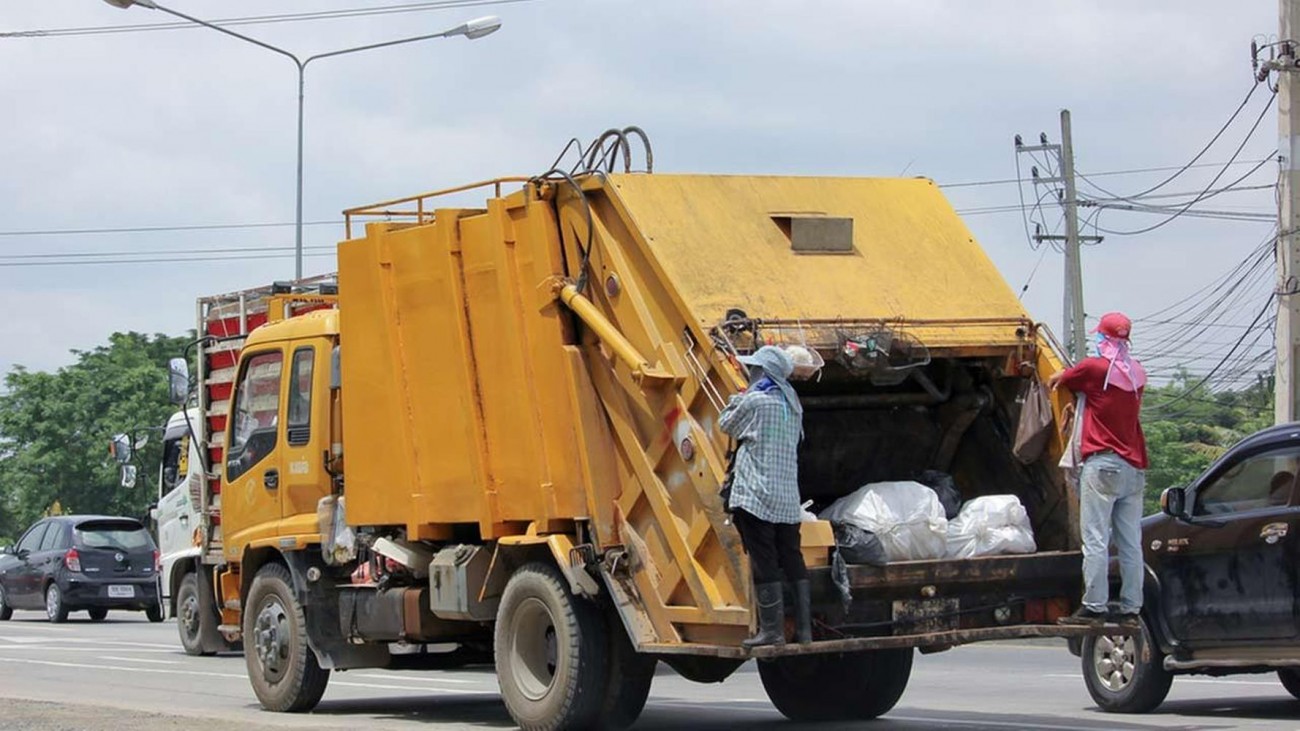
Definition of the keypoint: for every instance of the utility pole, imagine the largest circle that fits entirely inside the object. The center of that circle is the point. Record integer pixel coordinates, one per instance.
(1286, 394)
(1072, 310)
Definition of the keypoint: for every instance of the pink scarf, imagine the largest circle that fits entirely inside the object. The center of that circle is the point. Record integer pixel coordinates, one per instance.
(1124, 371)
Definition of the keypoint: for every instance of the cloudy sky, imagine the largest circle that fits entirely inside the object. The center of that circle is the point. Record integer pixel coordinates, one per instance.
(189, 128)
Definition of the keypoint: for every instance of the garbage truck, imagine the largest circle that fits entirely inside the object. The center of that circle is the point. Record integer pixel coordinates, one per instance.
(493, 439)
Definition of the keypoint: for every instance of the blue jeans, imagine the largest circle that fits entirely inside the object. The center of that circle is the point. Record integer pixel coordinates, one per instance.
(1110, 504)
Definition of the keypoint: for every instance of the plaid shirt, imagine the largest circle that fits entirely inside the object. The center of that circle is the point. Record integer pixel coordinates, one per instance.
(766, 481)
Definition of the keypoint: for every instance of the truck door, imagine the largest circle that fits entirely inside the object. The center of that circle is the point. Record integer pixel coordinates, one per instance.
(176, 516)
(304, 481)
(250, 501)
(1230, 571)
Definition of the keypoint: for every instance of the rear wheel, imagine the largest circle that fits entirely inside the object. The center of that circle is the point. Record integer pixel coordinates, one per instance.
(836, 687)
(6, 611)
(630, 675)
(281, 667)
(55, 609)
(196, 625)
(155, 613)
(1125, 673)
(97, 614)
(551, 653)
(1290, 678)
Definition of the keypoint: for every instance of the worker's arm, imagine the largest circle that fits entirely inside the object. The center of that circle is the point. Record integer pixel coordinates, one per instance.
(737, 416)
(1075, 378)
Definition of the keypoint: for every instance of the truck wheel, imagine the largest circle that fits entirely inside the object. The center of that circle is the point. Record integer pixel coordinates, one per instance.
(836, 687)
(281, 667)
(197, 626)
(97, 614)
(630, 675)
(1125, 673)
(6, 611)
(1290, 678)
(551, 652)
(55, 609)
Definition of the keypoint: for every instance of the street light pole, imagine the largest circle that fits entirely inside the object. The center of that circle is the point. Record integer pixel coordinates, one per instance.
(472, 30)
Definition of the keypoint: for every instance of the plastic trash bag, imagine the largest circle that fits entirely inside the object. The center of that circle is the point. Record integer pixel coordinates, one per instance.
(943, 486)
(991, 525)
(859, 546)
(1035, 423)
(905, 516)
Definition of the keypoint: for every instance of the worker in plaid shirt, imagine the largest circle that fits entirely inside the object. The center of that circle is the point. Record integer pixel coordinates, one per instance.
(767, 423)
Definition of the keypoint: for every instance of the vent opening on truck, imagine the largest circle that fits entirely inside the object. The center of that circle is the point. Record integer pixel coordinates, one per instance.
(811, 232)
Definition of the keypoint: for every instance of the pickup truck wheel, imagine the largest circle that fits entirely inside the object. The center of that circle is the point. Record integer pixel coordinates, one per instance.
(1125, 673)
(551, 652)
(55, 610)
(281, 667)
(836, 687)
(196, 626)
(6, 611)
(1290, 678)
(630, 675)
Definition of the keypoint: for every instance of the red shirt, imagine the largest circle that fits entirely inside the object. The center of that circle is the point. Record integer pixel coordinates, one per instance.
(1110, 418)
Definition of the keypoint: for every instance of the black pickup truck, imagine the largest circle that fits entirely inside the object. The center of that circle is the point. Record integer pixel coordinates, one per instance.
(1221, 594)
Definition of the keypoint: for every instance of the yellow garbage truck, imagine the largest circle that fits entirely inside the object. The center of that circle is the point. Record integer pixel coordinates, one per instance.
(497, 441)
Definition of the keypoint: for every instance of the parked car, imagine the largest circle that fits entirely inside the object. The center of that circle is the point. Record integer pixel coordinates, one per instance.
(70, 563)
(1221, 593)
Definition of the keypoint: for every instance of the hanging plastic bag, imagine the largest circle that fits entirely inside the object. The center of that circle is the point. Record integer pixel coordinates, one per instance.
(859, 546)
(1072, 458)
(1035, 423)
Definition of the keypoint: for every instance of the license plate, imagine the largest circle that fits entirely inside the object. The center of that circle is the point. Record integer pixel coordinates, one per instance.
(121, 591)
(926, 615)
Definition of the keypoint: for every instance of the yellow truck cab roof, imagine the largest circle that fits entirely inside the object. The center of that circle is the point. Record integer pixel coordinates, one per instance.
(319, 323)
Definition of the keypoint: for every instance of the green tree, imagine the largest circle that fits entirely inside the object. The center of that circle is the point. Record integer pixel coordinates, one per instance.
(55, 428)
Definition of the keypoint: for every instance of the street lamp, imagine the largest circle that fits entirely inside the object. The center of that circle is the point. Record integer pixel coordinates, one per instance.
(472, 30)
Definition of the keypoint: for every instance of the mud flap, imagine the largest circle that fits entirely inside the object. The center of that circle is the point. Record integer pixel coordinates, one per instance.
(319, 597)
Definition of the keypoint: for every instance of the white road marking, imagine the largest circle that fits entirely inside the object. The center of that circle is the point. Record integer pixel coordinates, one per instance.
(451, 691)
(66, 648)
(376, 676)
(139, 659)
(984, 724)
(1182, 680)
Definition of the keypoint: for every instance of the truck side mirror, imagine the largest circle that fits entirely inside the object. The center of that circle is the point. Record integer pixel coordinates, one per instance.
(1173, 502)
(178, 381)
(121, 448)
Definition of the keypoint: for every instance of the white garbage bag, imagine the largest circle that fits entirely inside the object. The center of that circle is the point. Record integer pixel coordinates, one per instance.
(989, 526)
(906, 516)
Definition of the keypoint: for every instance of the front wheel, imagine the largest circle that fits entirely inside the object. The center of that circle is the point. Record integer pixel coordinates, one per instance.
(55, 610)
(836, 687)
(1290, 678)
(551, 653)
(6, 611)
(281, 667)
(1125, 673)
(196, 625)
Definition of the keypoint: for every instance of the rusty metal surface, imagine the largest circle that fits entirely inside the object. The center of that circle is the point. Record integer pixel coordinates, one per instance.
(1043, 566)
(862, 644)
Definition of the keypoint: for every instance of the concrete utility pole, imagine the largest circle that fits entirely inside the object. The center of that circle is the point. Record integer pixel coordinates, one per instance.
(1286, 394)
(1072, 329)
(1073, 265)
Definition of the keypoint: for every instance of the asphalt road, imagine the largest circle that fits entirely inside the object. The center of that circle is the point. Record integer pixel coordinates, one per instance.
(128, 675)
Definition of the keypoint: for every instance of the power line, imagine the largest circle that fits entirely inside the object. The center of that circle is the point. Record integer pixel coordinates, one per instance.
(258, 19)
(1134, 171)
(156, 229)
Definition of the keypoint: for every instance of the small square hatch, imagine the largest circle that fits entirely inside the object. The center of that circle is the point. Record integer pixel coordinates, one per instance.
(816, 233)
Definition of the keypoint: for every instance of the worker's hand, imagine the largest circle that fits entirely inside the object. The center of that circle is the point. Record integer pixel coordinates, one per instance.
(1054, 380)
(1067, 413)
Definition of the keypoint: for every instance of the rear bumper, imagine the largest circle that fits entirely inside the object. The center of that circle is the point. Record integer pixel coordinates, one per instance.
(95, 593)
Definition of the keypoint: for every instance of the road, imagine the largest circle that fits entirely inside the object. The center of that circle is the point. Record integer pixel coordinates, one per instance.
(128, 675)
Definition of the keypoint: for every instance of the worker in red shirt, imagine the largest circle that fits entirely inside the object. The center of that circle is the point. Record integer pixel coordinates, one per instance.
(1113, 479)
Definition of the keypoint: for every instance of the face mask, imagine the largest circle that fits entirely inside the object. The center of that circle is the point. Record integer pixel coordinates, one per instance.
(1094, 348)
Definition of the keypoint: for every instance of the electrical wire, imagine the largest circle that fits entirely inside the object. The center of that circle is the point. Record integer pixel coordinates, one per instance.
(1133, 171)
(344, 13)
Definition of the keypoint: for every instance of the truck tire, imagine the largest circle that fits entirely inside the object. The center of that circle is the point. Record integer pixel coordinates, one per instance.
(1290, 678)
(281, 667)
(836, 687)
(1125, 673)
(55, 608)
(551, 652)
(630, 675)
(196, 625)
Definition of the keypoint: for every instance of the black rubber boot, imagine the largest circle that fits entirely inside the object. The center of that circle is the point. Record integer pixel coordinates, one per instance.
(771, 616)
(803, 612)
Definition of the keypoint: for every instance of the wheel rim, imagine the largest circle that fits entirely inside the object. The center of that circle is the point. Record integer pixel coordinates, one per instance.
(271, 639)
(52, 600)
(1114, 661)
(534, 649)
(189, 615)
